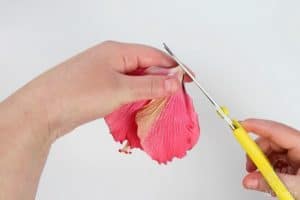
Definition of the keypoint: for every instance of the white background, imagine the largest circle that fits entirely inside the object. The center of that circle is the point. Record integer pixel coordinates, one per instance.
(246, 53)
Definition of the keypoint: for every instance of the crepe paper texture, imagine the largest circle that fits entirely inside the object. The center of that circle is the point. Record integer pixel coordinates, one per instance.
(164, 128)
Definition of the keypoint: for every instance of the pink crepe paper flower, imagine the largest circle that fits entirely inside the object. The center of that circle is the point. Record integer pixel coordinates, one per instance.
(164, 128)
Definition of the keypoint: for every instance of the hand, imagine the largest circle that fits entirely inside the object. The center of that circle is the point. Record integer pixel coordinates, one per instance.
(86, 87)
(281, 144)
(95, 82)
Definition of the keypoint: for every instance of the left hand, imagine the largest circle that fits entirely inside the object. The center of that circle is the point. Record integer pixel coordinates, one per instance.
(95, 82)
(85, 87)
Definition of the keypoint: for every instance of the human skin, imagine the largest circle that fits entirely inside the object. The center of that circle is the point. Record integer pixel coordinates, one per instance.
(84, 88)
(281, 144)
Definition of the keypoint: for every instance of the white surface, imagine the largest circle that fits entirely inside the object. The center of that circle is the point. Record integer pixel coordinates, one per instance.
(247, 54)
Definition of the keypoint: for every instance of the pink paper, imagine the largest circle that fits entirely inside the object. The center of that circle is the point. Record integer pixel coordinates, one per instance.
(164, 128)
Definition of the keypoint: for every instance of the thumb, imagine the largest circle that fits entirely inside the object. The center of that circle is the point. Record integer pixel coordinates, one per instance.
(255, 181)
(149, 86)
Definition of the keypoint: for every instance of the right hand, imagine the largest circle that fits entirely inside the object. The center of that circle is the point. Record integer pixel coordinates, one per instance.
(281, 144)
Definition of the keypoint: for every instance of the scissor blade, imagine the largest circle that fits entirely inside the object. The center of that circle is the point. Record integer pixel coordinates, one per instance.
(187, 71)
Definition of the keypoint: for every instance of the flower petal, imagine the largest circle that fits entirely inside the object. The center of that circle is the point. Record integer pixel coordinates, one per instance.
(174, 132)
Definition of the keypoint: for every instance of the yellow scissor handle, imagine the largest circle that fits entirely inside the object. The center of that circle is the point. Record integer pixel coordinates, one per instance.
(261, 162)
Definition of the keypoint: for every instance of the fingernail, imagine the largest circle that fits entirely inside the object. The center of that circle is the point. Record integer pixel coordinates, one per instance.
(172, 71)
(252, 184)
(171, 85)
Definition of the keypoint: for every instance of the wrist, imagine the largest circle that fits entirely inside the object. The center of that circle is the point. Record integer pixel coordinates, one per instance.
(24, 145)
(24, 117)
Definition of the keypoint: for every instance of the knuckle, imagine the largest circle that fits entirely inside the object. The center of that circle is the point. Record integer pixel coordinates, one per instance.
(155, 87)
(108, 42)
(151, 87)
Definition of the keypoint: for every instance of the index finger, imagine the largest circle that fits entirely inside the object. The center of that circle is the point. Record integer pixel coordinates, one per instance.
(282, 135)
(143, 56)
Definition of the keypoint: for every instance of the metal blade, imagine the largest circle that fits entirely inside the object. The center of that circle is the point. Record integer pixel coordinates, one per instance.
(212, 101)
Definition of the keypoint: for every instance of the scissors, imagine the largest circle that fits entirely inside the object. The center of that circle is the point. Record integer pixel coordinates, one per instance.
(241, 135)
